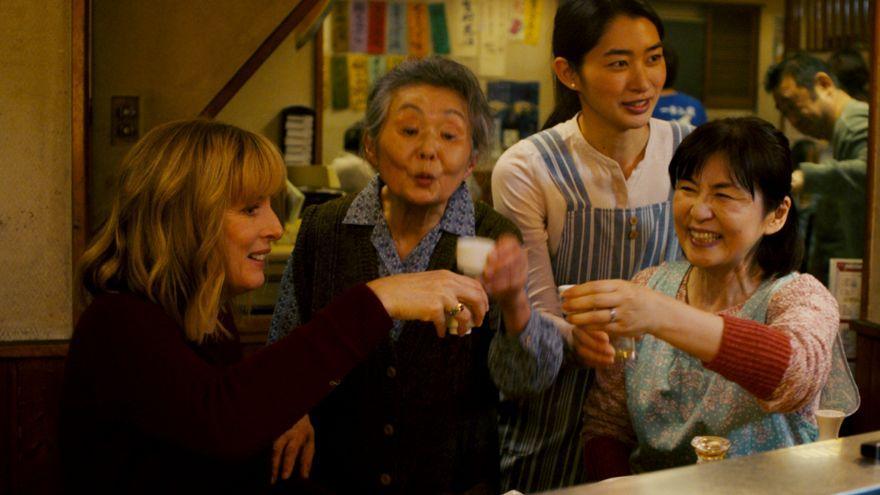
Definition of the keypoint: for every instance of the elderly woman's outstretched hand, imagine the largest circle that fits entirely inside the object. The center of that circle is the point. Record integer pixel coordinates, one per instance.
(505, 279)
(506, 270)
(433, 296)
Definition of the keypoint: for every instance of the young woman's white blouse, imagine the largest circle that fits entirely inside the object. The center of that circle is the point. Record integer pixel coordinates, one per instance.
(523, 191)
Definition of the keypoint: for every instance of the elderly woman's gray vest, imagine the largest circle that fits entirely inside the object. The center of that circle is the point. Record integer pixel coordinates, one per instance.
(419, 415)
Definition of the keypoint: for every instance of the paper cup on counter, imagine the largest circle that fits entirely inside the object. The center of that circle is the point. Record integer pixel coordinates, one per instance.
(829, 421)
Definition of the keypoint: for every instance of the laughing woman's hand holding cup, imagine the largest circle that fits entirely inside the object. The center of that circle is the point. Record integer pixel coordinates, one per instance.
(618, 308)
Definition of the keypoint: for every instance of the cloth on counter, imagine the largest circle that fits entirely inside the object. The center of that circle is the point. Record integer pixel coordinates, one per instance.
(680, 107)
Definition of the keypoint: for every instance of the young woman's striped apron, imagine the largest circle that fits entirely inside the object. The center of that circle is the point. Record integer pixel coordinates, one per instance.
(540, 437)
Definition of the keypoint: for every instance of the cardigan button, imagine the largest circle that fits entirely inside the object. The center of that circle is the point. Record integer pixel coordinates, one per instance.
(385, 479)
(391, 372)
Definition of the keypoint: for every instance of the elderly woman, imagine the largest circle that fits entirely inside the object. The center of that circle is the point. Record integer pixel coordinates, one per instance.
(420, 415)
(744, 344)
(157, 397)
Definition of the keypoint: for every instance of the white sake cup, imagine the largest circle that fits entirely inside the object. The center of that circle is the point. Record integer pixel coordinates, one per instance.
(471, 254)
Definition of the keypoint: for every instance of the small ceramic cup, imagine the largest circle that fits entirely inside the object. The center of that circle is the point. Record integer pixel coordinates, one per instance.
(471, 254)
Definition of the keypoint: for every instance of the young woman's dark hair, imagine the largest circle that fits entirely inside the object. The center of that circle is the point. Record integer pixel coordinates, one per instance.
(759, 159)
(577, 28)
(671, 58)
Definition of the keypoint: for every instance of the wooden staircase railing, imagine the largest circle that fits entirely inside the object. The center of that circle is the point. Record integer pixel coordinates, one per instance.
(262, 53)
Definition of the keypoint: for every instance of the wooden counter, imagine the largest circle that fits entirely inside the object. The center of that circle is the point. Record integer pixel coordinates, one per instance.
(832, 466)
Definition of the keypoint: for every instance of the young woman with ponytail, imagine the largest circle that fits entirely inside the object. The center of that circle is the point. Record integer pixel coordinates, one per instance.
(591, 195)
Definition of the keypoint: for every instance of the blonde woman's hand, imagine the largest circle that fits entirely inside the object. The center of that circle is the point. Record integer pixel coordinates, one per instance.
(296, 444)
(432, 296)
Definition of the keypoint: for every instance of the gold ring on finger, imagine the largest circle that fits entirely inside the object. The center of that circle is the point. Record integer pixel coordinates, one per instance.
(455, 310)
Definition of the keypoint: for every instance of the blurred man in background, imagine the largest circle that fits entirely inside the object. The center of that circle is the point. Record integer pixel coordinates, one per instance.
(809, 95)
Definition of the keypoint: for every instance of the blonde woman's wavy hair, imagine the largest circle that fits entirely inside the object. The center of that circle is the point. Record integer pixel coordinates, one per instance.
(164, 237)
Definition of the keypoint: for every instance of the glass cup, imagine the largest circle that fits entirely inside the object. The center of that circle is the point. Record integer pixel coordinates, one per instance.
(624, 347)
(829, 421)
(710, 448)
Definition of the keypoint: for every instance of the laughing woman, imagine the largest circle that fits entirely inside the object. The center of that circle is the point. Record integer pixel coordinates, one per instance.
(744, 345)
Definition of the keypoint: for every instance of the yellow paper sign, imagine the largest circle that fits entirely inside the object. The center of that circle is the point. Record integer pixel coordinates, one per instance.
(532, 21)
(418, 29)
(358, 82)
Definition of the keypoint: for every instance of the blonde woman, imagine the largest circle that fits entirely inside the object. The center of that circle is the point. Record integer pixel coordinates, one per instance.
(157, 397)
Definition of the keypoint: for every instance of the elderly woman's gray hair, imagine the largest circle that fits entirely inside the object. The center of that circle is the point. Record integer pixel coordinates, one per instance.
(433, 71)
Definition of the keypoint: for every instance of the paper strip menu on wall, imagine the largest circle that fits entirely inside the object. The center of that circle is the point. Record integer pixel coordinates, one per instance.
(298, 134)
(396, 32)
(388, 31)
(439, 33)
(376, 29)
(418, 28)
(357, 19)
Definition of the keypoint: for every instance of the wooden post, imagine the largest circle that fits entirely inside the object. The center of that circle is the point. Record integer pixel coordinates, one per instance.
(79, 125)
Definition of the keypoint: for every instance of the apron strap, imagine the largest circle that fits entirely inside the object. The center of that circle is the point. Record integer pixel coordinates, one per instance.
(557, 157)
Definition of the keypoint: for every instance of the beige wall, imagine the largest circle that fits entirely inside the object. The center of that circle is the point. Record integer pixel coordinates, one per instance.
(35, 186)
(176, 56)
(285, 79)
